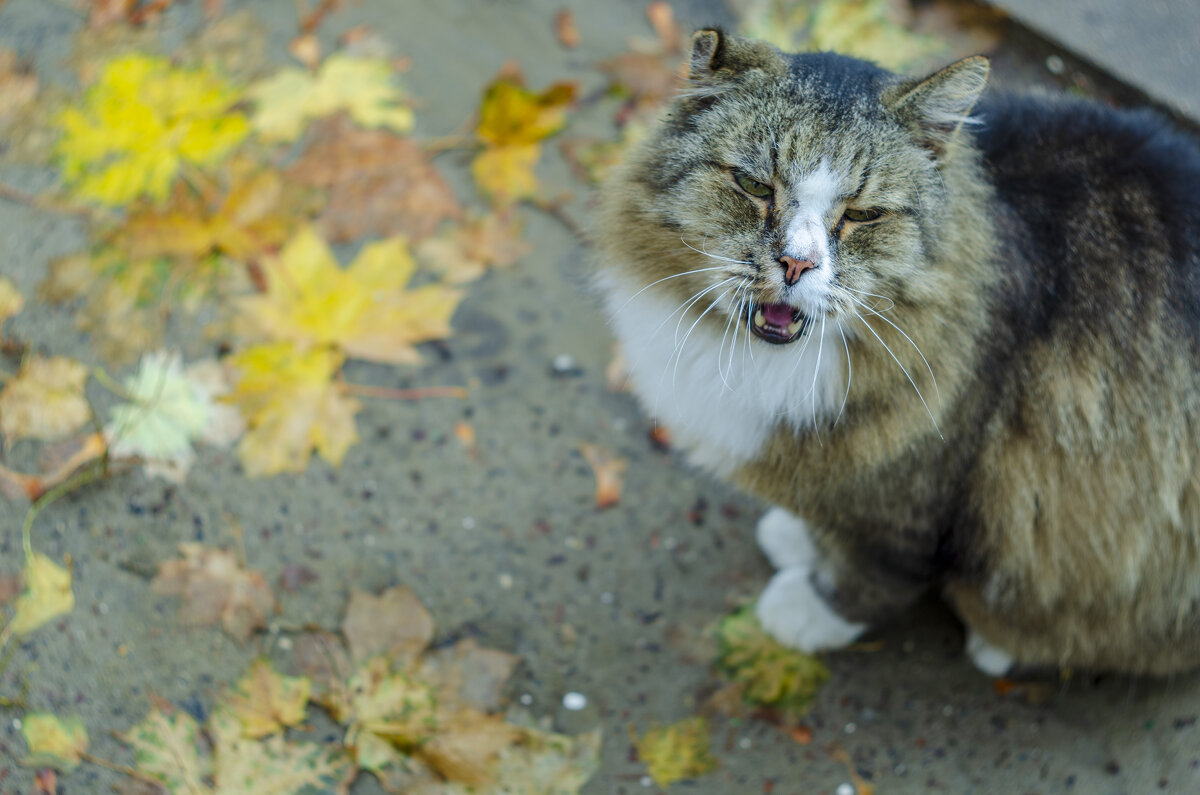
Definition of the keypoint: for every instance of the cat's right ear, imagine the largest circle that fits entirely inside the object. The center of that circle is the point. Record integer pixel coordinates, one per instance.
(939, 105)
(716, 55)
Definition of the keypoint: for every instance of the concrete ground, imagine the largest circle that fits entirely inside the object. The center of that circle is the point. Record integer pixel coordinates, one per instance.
(505, 545)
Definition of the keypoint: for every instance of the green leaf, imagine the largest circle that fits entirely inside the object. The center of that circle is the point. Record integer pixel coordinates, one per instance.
(773, 675)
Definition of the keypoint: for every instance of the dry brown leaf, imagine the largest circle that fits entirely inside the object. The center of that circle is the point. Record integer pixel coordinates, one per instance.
(216, 587)
(109, 12)
(18, 86)
(322, 657)
(468, 675)
(609, 471)
(464, 252)
(45, 400)
(566, 30)
(466, 746)
(377, 181)
(395, 624)
(265, 702)
(662, 19)
(10, 587)
(306, 49)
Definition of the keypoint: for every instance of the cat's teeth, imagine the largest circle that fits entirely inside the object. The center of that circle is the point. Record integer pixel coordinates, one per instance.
(759, 320)
(795, 326)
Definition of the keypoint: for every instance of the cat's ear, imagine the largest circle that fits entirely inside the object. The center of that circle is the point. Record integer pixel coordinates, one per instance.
(936, 107)
(716, 55)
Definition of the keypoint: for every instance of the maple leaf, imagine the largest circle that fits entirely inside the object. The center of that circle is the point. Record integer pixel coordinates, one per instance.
(11, 301)
(216, 587)
(771, 674)
(390, 704)
(18, 86)
(255, 215)
(365, 309)
(140, 123)
(363, 87)
(47, 595)
(169, 409)
(676, 752)
(291, 406)
(377, 182)
(651, 72)
(165, 746)
(265, 702)
(53, 742)
(394, 624)
(44, 400)
(609, 471)
(58, 462)
(273, 766)
(512, 120)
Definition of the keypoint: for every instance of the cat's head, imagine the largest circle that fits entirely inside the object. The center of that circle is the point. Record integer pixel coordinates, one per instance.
(805, 185)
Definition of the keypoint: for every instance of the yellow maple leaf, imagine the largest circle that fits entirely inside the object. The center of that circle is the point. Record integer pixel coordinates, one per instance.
(676, 752)
(53, 742)
(364, 310)
(505, 173)
(363, 87)
(140, 122)
(511, 115)
(10, 300)
(47, 596)
(265, 702)
(292, 406)
(45, 400)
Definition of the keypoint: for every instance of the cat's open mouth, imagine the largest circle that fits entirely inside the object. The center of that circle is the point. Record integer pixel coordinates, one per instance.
(778, 324)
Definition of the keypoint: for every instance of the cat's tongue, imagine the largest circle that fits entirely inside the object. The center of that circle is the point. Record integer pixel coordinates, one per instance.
(779, 315)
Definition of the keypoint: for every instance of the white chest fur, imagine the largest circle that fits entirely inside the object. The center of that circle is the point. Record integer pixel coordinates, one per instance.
(719, 391)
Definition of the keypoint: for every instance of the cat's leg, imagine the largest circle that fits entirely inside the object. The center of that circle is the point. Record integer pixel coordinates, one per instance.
(818, 600)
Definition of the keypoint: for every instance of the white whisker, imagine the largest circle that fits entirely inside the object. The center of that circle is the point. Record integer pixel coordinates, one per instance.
(713, 256)
(664, 279)
(849, 373)
(692, 302)
(910, 342)
(906, 374)
(890, 305)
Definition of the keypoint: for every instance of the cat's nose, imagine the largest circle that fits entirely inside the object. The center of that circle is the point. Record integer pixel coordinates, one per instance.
(792, 268)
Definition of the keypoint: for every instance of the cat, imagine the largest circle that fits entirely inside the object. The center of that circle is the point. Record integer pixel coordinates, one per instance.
(952, 338)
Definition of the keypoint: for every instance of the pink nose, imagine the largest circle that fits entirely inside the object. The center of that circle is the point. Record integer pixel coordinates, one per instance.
(794, 267)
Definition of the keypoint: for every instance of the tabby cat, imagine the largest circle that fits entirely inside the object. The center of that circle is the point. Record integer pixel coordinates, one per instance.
(953, 340)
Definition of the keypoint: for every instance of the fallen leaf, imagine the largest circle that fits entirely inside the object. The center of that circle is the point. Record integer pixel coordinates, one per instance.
(609, 471)
(58, 462)
(467, 745)
(273, 766)
(10, 300)
(322, 657)
(44, 400)
(365, 309)
(650, 72)
(47, 595)
(394, 624)
(234, 46)
(505, 173)
(306, 49)
(109, 12)
(363, 87)
(46, 781)
(464, 252)
(662, 19)
(139, 123)
(215, 587)
(676, 752)
(566, 30)
(512, 120)
(169, 409)
(875, 29)
(390, 704)
(468, 675)
(10, 587)
(265, 702)
(291, 406)
(53, 742)
(773, 675)
(512, 115)
(377, 181)
(18, 86)
(165, 747)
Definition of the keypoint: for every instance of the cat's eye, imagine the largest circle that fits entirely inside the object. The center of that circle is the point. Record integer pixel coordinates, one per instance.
(752, 186)
(862, 216)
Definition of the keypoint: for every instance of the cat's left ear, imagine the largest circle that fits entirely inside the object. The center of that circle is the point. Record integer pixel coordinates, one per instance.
(939, 105)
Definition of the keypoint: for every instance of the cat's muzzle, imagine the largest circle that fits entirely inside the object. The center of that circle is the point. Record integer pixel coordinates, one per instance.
(778, 323)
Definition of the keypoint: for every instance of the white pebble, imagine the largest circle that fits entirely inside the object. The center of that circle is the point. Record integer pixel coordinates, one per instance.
(526, 699)
(16, 724)
(744, 743)
(1055, 65)
(574, 701)
(647, 782)
(506, 581)
(845, 789)
(469, 523)
(285, 644)
(850, 728)
(563, 363)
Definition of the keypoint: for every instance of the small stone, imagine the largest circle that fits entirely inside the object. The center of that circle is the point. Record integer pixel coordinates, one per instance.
(745, 743)
(574, 701)
(526, 699)
(850, 728)
(285, 644)
(845, 788)
(506, 581)
(564, 365)
(469, 523)
(1055, 65)
(647, 782)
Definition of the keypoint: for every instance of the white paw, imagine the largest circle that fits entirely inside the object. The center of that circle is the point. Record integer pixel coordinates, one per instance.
(989, 659)
(792, 611)
(785, 540)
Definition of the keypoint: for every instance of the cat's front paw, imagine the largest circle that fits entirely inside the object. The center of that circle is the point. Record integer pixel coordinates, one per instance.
(792, 611)
(990, 660)
(785, 540)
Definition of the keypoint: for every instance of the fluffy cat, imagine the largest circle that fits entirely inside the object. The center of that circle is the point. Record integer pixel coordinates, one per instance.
(953, 340)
